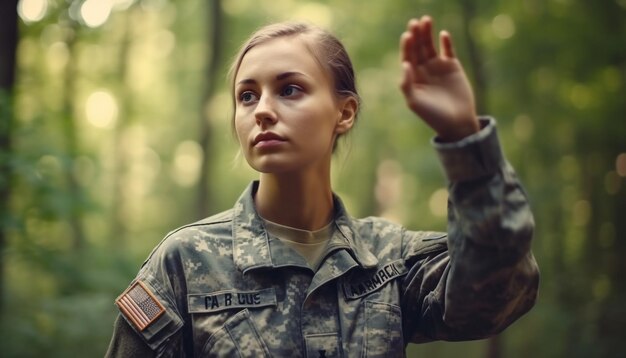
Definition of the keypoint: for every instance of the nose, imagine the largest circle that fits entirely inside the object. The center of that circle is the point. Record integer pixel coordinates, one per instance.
(264, 112)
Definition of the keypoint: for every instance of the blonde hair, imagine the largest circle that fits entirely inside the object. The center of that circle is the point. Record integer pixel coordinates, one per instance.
(328, 51)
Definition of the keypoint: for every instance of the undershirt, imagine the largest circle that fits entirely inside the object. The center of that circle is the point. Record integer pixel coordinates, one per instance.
(309, 244)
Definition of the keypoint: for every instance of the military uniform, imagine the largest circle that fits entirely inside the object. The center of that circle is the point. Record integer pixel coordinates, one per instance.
(223, 287)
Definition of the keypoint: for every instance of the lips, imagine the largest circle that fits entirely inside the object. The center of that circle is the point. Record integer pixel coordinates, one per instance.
(267, 137)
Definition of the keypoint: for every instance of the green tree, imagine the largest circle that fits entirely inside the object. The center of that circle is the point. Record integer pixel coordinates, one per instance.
(8, 47)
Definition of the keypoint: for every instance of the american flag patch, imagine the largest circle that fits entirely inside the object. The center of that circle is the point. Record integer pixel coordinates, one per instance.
(139, 305)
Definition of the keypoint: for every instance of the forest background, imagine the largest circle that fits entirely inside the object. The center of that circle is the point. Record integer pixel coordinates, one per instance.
(115, 129)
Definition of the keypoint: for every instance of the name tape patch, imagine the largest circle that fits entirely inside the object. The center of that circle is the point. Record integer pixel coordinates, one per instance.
(139, 305)
(356, 287)
(224, 300)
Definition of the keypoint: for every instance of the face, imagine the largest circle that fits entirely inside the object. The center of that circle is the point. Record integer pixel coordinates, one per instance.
(286, 113)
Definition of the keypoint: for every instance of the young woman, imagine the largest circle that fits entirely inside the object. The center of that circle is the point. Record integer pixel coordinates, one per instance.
(288, 273)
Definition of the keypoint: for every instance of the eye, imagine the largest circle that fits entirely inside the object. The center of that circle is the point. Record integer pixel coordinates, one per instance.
(247, 97)
(290, 91)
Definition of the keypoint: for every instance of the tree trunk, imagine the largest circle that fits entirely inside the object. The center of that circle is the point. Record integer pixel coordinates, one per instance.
(602, 262)
(475, 58)
(71, 145)
(8, 48)
(120, 157)
(214, 55)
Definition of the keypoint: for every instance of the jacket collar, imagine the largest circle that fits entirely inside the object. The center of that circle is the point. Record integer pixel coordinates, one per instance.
(251, 246)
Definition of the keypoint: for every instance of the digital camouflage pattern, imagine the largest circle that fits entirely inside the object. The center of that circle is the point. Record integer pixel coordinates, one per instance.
(229, 289)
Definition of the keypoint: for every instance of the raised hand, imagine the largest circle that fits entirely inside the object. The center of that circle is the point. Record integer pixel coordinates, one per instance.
(434, 85)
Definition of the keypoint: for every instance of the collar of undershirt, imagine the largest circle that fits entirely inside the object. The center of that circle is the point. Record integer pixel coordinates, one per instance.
(299, 236)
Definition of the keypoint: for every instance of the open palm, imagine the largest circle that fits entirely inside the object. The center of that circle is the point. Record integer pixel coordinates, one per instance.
(434, 85)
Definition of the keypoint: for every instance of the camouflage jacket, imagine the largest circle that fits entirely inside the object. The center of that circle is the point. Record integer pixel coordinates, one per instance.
(223, 287)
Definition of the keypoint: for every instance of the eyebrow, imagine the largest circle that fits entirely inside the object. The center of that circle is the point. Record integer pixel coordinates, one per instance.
(279, 77)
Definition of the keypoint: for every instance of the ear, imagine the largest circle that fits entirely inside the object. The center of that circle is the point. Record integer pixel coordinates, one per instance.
(348, 108)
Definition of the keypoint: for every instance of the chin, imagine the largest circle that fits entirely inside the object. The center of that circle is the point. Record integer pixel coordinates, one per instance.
(273, 169)
(278, 164)
(271, 166)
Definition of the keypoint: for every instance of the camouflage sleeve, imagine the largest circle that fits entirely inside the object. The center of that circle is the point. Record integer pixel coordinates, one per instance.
(125, 342)
(488, 277)
(151, 313)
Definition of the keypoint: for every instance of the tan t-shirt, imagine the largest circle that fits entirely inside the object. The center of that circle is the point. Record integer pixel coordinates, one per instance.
(309, 244)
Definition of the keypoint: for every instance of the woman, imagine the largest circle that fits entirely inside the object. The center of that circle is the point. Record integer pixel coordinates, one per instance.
(287, 272)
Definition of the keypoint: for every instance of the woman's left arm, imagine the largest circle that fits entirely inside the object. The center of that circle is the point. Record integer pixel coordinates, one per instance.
(488, 277)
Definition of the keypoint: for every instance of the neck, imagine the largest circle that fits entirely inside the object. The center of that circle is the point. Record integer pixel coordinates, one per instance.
(295, 200)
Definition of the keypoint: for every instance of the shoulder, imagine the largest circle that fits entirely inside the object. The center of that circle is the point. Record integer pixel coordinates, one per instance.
(211, 235)
(384, 233)
(212, 223)
(374, 225)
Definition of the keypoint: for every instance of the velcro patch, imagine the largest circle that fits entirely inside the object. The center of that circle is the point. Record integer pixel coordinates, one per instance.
(224, 300)
(356, 287)
(139, 305)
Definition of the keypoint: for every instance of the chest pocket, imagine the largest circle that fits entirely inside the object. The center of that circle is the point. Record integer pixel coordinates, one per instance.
(237, 338)
(375, 299)
(383, 330)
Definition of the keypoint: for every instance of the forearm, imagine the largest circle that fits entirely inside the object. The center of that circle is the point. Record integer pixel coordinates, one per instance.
(493, 277)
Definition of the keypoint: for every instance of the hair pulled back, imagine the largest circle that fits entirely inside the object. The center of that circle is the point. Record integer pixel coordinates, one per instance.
(328, 51)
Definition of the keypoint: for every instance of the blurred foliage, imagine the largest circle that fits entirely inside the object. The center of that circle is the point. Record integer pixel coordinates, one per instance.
(106, 155)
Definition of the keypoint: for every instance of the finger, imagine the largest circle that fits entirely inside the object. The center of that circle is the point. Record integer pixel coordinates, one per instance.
(416, 43)
(428, 47)
(405, 45)
(445, 40)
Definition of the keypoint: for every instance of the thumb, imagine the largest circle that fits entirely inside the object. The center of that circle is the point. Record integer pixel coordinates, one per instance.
(408, 77)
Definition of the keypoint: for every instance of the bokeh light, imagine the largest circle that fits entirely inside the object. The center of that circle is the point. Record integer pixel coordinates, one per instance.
(95, 12)
(581, 213)
(503, 26)
(612, 182)
(620, 164)
(32, 10)
(438, 202)
(101, 109)
(187, 161)
(57, 56)
(523, 127)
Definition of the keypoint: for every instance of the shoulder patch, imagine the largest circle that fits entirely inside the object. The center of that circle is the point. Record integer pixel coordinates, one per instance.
(139, 305)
